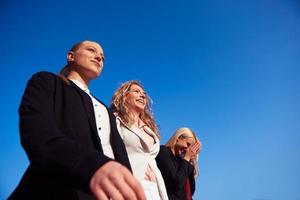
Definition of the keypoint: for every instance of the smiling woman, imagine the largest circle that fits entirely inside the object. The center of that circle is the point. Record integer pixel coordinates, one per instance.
(86, 59)
(70, 158)
(139, 132)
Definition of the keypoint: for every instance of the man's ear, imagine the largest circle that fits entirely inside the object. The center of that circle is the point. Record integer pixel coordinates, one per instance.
(70, 56)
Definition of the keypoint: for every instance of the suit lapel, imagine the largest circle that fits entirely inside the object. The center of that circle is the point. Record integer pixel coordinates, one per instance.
(140, 134)
(117, 143)
(88, 105)
(134, 130)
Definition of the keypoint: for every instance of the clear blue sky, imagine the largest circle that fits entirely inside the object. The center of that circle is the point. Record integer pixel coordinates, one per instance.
(230, 70)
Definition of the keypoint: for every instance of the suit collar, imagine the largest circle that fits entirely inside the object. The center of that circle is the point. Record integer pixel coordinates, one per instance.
(80, 85)
(138, 132)
(88, 105)
(117, 143)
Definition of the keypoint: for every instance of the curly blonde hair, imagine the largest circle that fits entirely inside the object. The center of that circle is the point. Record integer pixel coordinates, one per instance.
(119, 105)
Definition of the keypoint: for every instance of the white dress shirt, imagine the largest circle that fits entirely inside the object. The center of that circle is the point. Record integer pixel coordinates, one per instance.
(102, 121)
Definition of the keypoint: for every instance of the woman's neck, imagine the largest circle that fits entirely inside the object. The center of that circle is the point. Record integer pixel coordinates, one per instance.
(76, 76)
(136, 119)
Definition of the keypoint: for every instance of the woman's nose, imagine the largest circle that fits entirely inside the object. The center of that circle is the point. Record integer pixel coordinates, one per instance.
(98, 58)
(142, 95)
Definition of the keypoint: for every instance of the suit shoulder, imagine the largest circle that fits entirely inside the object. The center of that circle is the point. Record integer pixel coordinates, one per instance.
(47, 78)
(44, 80)
(44, 75)
(163, 147)
(163, 150)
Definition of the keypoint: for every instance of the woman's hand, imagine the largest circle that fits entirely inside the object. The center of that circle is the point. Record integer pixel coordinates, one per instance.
(114, 181)
(193, 150)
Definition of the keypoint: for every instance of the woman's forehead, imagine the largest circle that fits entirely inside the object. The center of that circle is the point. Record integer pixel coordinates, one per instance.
(93, 44)
(135, 86)
(188, 137)
(190, 140)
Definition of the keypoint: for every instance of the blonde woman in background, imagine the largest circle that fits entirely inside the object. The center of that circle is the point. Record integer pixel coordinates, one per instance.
(137, 128)
(178, 163)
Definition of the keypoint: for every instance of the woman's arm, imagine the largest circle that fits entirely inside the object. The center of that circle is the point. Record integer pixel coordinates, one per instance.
(48, 144)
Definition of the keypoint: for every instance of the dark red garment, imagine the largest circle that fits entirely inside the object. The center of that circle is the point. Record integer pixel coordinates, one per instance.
(188, 190)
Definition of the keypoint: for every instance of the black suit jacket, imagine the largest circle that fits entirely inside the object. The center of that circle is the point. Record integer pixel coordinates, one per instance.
(175, 172)
(58, 132)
